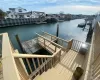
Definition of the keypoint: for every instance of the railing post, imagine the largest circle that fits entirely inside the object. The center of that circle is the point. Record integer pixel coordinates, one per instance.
(55, 48)
(51, 38)
(59, 55)
(44, 42)
(70, 44)
(62, 42)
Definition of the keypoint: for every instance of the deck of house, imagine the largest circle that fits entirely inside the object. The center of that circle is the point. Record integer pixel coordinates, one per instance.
(61, 64)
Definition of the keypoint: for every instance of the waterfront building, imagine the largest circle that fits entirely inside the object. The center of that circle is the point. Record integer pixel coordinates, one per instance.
(37, 14)
(15, 13)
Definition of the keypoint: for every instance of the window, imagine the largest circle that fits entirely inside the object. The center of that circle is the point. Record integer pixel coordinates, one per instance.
(20, 10)
(28, 15)
(12, 16)
(16, 16)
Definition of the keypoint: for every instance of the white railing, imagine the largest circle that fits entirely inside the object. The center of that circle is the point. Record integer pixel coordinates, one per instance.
(59, 41)
(45, 40)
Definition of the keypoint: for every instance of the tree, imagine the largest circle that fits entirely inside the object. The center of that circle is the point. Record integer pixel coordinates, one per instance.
(2, 14)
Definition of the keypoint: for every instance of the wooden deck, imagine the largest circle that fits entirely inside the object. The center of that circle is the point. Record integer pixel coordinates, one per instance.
(31, 46)
(68, 64)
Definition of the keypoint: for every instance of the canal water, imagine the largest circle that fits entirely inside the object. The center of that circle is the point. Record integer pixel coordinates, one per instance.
(67, 30)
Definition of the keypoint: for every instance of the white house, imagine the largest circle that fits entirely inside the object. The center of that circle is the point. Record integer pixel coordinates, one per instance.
(36, 14)
(16, 13)
(19, 12)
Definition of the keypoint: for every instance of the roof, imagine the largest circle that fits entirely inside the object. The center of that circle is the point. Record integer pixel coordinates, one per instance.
(18, 8)
(11, 8)
(38, 12)
(7, 12)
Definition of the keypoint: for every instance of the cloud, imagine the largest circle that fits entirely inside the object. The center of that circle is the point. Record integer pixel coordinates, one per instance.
(75, 9)
(54, 6)
(96, 1)
(52, 1)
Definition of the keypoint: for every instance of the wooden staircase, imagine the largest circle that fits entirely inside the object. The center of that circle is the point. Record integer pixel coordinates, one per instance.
(65, 68)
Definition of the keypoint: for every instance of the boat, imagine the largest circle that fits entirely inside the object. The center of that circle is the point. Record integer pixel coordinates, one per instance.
(81, 25)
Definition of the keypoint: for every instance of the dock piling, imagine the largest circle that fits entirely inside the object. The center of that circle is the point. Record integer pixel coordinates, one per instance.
(19, 42)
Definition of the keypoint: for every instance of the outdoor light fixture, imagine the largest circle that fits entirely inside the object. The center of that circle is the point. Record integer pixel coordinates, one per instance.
(83, 49)
(84, 45)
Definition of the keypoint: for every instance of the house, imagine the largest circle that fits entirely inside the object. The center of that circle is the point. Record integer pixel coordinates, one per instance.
(36, 14)
(19, 12)
(14, 13)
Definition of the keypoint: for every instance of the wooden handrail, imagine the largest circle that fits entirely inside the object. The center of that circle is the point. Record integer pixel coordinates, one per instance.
(16, 55)
(49, 41)
(63, 39)
(57, 37)
(30, 56)
(8, 62)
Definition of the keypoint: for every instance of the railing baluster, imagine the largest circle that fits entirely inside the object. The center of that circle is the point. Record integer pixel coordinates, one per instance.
(51, 62)
(42, 64)
(38, 64)
(29, 65)
(34, 63)
(75, 45)
(44, 42)
(45, 64)
(79, 45)
(41, 70)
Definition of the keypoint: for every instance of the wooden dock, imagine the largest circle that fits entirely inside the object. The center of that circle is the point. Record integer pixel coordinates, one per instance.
(32, 46)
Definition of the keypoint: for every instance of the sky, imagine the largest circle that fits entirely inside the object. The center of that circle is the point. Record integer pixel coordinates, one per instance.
(54, 6)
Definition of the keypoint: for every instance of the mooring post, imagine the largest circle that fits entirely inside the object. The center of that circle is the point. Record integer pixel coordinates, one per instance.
(19, 42)
(57, 34)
